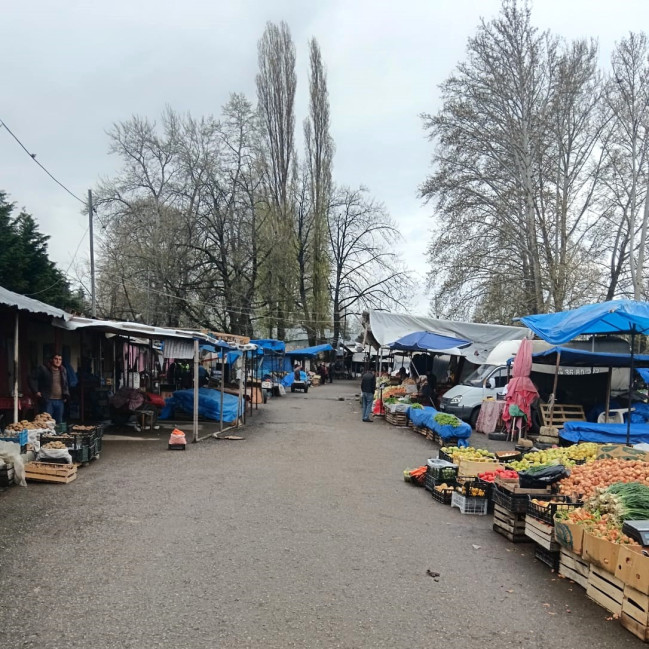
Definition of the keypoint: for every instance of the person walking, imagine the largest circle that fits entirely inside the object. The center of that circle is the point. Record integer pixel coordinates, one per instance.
(368, 386)
(50, 385)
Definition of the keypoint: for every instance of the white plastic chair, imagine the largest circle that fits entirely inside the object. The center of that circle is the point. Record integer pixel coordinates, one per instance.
(615, 416)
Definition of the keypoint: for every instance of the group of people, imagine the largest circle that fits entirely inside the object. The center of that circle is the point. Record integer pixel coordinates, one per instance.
(326, 372)
(427, 393)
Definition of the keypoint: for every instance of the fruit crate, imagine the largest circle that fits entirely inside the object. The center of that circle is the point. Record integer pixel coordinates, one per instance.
(21, 438)
(466, 505)
(6, 475)
(550, 559)
(445, 456)
(546, 514)
(468, 486)
(441, 470)
(512, 502)
(443, 497)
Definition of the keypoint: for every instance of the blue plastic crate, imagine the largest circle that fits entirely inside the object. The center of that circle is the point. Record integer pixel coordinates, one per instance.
(22, 438)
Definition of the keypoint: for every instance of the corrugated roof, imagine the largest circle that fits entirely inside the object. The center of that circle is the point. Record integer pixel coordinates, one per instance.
(23, 303)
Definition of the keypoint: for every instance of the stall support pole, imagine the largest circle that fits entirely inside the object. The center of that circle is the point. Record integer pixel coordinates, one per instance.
(16, 397)
(222, 389)
(239, 409)
(554, 385)
(631, 370)
(608, 392)
(195, 425)
(245, 384)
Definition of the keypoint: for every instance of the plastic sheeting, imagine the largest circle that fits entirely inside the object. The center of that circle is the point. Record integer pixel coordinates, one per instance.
(386, 327)
(287, 381)
(311, 351)
(209, 404)
(426, 417)
(616, 316)
(584, 431)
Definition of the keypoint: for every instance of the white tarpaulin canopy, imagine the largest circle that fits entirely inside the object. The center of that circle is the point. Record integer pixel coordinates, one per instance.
(382, 328)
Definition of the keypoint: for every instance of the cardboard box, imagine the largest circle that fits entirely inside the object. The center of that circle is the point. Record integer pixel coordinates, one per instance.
(472, 468)
(633, 568)
(569, 535)
(600, 552)
(621, 452)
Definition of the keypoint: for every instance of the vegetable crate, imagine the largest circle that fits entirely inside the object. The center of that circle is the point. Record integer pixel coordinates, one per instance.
(605, 589)
(397, 418)
(473, 488)
(430, 481)
(509, 525)
(573, 567)
(541, 533)
(445, 441)
(443, 497)
(549, 558)
(21, 438)
(467, 505)
(546, 513)
(510, 501)
(44, 472)
(635, 613)
(445, 456)
(442, 470)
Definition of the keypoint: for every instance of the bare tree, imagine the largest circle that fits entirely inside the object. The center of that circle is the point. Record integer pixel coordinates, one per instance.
(366, 271)
(276, 84)
(319, 156)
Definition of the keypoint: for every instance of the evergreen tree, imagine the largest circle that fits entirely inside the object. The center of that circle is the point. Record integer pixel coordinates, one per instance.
(25, 267)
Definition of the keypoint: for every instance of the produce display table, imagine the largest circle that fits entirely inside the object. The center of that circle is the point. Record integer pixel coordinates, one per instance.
(490, 416)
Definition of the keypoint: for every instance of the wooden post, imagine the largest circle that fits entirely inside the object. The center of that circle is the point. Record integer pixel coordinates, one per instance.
(554, 386)
(16, 370)
(222, 388)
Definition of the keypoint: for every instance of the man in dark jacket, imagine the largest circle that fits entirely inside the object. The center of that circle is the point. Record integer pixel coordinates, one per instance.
(368, 385)
(50, 385)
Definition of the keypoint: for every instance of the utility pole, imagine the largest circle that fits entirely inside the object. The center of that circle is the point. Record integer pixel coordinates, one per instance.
(92, 256)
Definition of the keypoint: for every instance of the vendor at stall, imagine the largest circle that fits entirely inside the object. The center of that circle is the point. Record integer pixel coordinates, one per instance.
(50, 385)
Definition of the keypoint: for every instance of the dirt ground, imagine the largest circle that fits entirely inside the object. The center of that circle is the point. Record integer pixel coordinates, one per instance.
(303, 534)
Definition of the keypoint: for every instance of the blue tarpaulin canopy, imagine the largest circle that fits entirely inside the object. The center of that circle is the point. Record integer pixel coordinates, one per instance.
(311, 351)
(616, 316)
(426, 341)
(583, 358)
(270, 345)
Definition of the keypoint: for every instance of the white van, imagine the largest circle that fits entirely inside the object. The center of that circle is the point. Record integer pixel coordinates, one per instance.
(464, 400)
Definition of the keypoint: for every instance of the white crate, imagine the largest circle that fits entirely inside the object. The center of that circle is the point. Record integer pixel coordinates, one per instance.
(466, 505)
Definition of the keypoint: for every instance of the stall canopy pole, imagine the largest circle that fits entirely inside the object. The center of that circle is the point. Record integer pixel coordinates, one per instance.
(554, 385)
(222, 389)
(628, 415)
(608, 392)
(195, 426)
(239, 409)
(16, 398)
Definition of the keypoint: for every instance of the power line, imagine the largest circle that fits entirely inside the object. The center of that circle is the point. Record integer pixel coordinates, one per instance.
(33, 157)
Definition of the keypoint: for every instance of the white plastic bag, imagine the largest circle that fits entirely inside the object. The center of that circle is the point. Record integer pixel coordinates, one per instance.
(60, 454)
(10, 453)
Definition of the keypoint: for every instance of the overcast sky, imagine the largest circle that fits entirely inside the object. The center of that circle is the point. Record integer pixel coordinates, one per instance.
(71, 68)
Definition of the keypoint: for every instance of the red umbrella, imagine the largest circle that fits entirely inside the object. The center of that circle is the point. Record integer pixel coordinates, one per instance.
(520, 389)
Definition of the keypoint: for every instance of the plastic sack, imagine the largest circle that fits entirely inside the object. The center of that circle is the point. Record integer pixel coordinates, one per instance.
(543, 478)
(10, 453)
(177, 437)
(61, 455)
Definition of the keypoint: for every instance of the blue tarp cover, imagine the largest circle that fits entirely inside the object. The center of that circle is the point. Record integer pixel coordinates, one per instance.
(287, 381)
(584, 431)
(270, 344)
(423, 341)
(616, 316)
(582, 358)
(311, 351)
(426, 417)
(209, 404)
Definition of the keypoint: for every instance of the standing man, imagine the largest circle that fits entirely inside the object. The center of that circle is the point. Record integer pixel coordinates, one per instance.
(50, 385)
(368, 386)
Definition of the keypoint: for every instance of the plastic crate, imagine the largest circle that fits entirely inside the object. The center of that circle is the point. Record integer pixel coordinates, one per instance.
(475, 506)
(22, 438)
(467, 486)
(514, 503)
(550, 559)
(443, 497)
(430, 482)
(546, 514)
(442, 470)
(70, 441)
(445, 456)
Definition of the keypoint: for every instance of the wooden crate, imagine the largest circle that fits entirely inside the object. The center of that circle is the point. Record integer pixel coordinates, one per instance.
(396, 418)
(49, 472)
(573, 567)
(509, 525)
(605, 589)
(635, 613)
(541, 533)
(561, 413)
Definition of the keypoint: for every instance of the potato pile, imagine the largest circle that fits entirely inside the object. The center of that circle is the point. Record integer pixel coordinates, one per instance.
(54, 445)
(43, 420)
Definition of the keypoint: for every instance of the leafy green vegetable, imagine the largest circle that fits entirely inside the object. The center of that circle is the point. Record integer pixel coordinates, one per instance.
(417, 406)
(444, 419)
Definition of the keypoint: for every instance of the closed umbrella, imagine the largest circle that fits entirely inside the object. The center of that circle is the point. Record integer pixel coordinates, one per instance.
(521, 392)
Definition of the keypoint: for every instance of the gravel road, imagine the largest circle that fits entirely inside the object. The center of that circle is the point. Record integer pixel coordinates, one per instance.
(302, 535)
